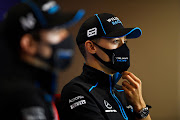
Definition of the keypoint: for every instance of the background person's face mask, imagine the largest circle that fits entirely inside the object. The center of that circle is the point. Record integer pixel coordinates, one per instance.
(119, 58)
(60, 58)
(58, 48)
(61, 54)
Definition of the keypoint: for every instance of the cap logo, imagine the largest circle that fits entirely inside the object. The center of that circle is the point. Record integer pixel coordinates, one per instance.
(28, 22)
(49, 6)
(114, 20)
(92, 32)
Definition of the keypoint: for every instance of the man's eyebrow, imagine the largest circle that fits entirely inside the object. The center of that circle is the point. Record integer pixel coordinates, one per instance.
(116, 39)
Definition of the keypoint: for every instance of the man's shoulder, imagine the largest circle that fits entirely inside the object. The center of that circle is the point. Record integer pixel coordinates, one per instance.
(78, 85)
(18, 90)
(73, 84)
(19, 95)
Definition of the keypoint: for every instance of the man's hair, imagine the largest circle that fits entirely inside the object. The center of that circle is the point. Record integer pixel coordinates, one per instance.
(83, 49)
(12, 41)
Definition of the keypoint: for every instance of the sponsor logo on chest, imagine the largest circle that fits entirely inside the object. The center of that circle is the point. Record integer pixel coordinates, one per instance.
(109, 107)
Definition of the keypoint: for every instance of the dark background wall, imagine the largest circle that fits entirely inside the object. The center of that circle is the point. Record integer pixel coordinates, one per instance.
(155, 56)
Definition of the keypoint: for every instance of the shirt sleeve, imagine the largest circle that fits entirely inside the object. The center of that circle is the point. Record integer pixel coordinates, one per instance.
(77, 104)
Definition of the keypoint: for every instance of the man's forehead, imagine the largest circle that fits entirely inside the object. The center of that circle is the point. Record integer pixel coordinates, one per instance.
(121, 38)
(52, 30)
(118, 38)
(54, 36)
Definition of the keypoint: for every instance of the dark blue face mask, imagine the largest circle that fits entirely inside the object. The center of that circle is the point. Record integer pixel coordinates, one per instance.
(62, 54)
(119, 58)
(60, 59)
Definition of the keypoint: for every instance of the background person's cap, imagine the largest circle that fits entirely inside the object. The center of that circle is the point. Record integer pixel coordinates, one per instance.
(32, 15)
(105, 25)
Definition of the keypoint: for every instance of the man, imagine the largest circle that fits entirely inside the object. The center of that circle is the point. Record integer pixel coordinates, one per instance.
(95, 95)
(36, 44)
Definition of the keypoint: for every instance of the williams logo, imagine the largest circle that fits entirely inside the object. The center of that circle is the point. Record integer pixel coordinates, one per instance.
(121, 59)
(50, 7)
(28, 22)
(114, 20)
(109, 107)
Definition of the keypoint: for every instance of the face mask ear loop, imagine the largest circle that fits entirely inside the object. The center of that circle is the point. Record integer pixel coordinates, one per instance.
(107, 52)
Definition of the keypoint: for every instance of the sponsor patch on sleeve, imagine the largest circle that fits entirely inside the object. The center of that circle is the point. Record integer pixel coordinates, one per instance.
(77, 101)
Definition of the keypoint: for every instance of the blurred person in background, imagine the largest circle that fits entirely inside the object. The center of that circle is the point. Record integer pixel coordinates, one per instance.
(95, 94)
(5, 5)
(35, 45)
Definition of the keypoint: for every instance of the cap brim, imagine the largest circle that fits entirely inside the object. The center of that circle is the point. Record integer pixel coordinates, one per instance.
(67, 19)
(128, 32)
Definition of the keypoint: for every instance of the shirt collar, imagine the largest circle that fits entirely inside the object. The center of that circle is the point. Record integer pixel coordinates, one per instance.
(94, 76)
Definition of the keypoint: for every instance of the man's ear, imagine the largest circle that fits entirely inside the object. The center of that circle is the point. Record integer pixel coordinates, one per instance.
(28, 44)
(90, 47)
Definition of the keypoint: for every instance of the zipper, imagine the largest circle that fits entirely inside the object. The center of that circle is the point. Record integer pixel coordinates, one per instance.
(112, 91)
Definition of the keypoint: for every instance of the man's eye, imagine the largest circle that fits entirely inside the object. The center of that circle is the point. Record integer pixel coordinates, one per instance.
(116, 41)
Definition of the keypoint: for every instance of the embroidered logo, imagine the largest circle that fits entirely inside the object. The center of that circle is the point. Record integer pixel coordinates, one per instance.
(79, 99)
(48, 5)
(130, 107)
(107, 104)
(121, 59)
(109, 107)
(79, 103)
(28, 22)
(91, 32)
(114, 20)
(76, 98)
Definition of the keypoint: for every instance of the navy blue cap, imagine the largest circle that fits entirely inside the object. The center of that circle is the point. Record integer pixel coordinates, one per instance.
(5, 5)
(105, 25)
(30, 15)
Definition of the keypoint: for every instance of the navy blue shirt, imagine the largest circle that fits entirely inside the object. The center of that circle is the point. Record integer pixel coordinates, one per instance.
(94, 96)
